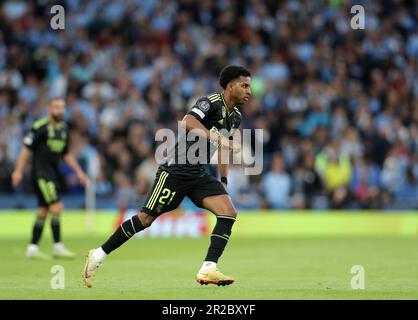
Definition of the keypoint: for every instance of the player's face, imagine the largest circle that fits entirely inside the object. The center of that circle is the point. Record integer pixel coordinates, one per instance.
(242, 89)
(57, 109)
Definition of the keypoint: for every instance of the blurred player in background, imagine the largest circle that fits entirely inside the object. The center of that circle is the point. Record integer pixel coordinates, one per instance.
(216, 116)
(48, 143)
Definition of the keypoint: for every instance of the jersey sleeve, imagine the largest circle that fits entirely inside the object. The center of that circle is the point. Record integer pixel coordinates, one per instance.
(202, 109)
(31, 139)
(67, 142)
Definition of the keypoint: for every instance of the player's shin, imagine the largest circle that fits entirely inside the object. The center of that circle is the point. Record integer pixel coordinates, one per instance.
(37, 230)
(219, 240)
(122, 234)
(56, 228)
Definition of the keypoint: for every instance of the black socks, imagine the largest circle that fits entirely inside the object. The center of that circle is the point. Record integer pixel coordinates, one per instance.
(39, 226)
(56, 229)
(125, 231)
(37, 230)
(219, 237)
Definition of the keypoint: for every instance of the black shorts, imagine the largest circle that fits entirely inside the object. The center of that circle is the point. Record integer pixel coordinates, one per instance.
(47, 191)
(169, 190)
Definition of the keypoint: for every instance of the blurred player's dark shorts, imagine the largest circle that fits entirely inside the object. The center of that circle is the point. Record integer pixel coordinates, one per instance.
(47, 190)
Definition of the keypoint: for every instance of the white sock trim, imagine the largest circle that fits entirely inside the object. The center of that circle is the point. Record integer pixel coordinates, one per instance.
(208, 265)
(99, 254)
(226, 217)
(33, 247)
(58, 246)
(217, 235)
(124, 232)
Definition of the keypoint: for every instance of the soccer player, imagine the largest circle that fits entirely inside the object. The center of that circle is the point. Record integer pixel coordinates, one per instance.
(176, 179)
(48, 142)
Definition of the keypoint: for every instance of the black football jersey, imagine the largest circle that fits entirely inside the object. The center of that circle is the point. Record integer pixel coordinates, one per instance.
(213, 113)
(48, 144)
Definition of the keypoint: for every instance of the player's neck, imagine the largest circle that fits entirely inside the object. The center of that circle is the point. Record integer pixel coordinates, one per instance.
(230, 103)
(52, 121)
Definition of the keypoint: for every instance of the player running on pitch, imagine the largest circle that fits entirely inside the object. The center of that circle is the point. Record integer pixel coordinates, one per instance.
(175, 180)
(48, 143)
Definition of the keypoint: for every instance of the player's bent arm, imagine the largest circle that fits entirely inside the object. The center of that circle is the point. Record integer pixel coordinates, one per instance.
(20, 165)
(222, 163)
(223, 171)
(73, 164)
(191, 123)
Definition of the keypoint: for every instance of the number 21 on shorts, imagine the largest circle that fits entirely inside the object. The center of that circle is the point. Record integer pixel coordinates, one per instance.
(165, 194)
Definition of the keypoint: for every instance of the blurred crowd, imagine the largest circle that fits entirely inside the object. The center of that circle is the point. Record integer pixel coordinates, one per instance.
(339, 107)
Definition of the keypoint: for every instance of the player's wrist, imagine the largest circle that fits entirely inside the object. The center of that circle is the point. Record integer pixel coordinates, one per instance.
(80, 173)
(224, 141)
(17, 172)
(220, 140)
(224, 180)
(214, 136)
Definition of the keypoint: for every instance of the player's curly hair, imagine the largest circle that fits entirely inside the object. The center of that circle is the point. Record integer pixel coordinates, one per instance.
(230, 73)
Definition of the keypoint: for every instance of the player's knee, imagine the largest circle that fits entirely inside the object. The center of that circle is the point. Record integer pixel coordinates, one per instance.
(227, 210)
(232, 213)
(146, 219)
(42, 213)
(56, 208)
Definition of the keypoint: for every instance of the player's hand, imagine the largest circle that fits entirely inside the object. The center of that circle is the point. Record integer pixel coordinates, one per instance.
(232, 145)
(17, 177)
(84, 180)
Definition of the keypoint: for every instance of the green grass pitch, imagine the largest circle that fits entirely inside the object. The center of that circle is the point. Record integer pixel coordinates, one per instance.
(265, 267)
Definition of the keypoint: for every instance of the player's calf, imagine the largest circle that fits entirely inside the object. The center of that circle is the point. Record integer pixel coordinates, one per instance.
(220, 237)
(32, 250)
(123, 233)
(222, 206)
(209, 273)
(60, 251)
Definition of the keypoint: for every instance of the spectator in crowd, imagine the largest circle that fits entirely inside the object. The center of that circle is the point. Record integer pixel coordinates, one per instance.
(335, 171)
(277, 185)
(241, 189)
(308, 184)
(365, 184)
(407, 195)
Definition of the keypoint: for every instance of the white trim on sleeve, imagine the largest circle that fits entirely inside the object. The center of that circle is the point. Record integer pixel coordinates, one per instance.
(200, 113)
